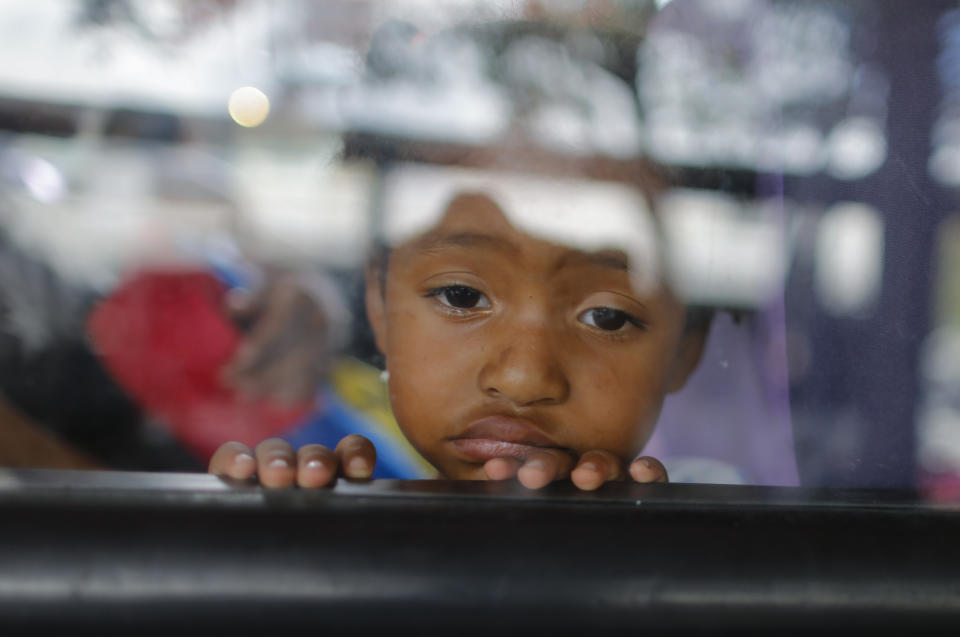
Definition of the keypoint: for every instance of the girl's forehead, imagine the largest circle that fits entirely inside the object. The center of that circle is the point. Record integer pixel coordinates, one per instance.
(583, 215)
(475, 222)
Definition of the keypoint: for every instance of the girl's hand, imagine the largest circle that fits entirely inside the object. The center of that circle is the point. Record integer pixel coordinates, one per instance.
(587, 472)
(275, 464)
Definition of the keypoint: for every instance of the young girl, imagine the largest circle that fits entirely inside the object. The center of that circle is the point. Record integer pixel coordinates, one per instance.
(527, 332)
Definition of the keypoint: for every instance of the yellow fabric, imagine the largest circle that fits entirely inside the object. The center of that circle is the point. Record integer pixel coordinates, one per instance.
(359, 386)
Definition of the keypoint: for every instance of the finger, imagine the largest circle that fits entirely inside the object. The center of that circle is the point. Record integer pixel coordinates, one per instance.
(543, 467)
(276, 463)
(647, 469)
(596, 467)
(501, 468)
(233, 460)
(357, 457)
(316, 466)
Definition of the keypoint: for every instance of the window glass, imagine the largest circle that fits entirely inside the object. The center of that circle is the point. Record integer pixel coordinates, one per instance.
(720, 234)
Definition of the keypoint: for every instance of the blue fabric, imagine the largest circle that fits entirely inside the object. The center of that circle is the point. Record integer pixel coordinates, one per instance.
(334, 420)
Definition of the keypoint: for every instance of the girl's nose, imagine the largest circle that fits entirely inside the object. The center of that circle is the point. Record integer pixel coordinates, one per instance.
(525, 369)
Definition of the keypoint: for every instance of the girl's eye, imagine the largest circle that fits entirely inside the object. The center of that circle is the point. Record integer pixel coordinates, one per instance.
(460, 297)
(608, 319)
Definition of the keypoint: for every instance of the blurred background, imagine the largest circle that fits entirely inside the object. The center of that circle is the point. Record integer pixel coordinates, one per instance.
(817, 144)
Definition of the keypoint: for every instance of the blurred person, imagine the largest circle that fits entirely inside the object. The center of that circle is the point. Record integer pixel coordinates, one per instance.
(194, 341)
(214, 363)
(59, 370)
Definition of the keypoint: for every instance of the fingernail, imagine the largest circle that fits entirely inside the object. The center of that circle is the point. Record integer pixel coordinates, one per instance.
(279, 463)
(314, 464)
(243, 458)
(536, 464)
(646, 463)
(589, 466)
(359, 467)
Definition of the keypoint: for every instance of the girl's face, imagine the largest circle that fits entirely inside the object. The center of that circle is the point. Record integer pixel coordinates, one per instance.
(498, 343)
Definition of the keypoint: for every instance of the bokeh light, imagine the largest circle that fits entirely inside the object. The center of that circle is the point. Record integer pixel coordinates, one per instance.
(248, 106)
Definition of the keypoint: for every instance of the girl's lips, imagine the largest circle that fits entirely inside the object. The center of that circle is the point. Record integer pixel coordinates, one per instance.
(483, 449)
(501, 437)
